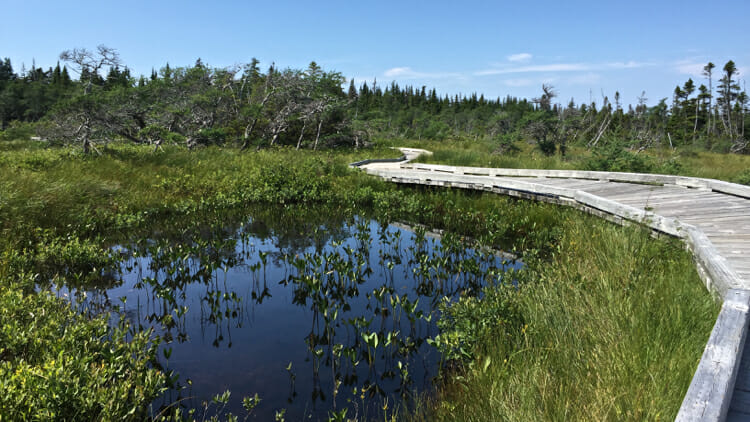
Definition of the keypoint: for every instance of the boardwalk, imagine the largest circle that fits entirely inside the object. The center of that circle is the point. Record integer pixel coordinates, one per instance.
(712, 217)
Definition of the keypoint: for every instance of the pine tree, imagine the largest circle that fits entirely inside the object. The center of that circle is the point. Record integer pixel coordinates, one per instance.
(352, 93)
(728, 90)
(64, 77)
(6, 70)
(708, 73)
(57, 75)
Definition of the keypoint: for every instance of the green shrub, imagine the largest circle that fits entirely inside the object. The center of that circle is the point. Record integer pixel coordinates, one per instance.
(17, 130)
(56, 364)
(743, 178)
(614, 157)
(467, 323)
(671, 166)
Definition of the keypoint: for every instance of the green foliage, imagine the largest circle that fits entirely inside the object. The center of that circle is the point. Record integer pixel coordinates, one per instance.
(605, 321)
(472, 321)
(211, 136)
(614, 157)
(506, 144)
(671, 166)
(743, 177)
(17, 130)
(57, 364)
(72, 259)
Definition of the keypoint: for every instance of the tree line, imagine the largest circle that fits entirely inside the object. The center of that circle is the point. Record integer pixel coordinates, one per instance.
(93, 97)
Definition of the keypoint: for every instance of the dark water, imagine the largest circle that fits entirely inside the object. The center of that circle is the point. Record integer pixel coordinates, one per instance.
(314, 317)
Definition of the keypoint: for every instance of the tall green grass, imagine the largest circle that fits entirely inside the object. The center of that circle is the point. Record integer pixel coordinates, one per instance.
(615, 325)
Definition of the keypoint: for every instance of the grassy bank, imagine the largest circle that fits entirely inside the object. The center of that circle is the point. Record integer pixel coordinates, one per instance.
(601, 311)
(615, 323)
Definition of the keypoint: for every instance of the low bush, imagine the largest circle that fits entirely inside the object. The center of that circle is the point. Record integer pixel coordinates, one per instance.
(56, 364)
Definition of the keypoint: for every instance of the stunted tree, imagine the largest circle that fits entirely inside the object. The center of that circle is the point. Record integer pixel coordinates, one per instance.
(545, 101)
(87, 64)
(254, 104)
(543, 127)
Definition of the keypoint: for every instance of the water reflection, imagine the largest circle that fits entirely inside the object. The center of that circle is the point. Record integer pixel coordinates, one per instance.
(314, 316)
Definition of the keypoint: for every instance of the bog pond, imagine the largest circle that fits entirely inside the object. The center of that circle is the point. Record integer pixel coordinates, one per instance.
(312, 316)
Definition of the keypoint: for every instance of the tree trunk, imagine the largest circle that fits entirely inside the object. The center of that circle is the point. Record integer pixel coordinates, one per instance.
(695, 125)
(301, 133)
(317, 135)
(248, 130)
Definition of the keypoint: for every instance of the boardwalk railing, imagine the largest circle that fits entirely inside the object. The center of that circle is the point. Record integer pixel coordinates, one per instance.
(711, 389)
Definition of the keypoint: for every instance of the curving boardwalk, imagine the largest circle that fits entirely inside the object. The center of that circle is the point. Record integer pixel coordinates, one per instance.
(712, 217)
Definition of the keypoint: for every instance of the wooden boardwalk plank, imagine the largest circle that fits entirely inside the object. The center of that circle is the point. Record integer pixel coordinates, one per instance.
(612, 190)
(569, 183)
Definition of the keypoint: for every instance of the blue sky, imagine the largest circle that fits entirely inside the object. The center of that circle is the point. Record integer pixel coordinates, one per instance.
(583, 48)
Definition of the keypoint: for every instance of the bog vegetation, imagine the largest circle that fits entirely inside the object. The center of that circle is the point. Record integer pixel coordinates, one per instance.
(590, 330)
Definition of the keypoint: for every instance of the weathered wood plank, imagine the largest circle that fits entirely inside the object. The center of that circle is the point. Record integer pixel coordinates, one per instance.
(657, 198)
(722, 212)
(570, 183)
(717, 371)
(621, 189)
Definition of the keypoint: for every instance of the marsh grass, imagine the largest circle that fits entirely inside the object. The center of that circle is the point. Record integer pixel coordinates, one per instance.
(615, 325)
(63, 190)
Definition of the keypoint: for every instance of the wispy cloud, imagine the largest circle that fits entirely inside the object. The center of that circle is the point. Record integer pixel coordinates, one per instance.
(409, 73)
(562, 67)
(691, 68)
(520, 57)
(399, 71)
(555, 67)
(628, 65)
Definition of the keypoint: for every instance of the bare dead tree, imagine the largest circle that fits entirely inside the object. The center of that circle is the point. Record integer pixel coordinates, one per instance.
(280, 122)
(602, 129)
(545, 101)
(89, 63)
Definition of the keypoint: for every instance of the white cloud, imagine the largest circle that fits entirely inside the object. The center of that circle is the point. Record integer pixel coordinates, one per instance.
(562, 67)
(520, 57)
(689, 68)
(398, 71)
(628, 65)
(409, 73)
(554, 67)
